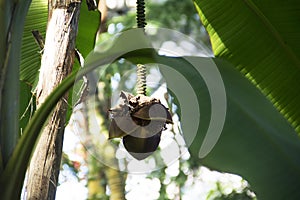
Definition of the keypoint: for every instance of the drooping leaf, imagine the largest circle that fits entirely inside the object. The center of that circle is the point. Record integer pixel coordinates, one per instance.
(261, 39)
(256, 140)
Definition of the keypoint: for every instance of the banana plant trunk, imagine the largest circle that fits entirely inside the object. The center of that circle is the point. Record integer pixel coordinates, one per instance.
(56, 64)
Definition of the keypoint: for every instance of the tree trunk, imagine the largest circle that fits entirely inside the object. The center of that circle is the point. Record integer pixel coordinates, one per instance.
(116, 183)
(57, 62)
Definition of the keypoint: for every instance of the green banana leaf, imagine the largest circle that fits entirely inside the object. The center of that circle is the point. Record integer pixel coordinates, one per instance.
(256, 141)
(36, 19)
(261, 39)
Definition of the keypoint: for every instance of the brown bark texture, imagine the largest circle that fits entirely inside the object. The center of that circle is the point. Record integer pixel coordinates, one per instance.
(56, 64)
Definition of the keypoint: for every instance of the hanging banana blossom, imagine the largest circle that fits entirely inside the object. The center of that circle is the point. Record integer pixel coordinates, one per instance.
(139, 120)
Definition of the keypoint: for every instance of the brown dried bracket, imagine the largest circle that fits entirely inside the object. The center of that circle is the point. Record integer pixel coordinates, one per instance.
(139, 121)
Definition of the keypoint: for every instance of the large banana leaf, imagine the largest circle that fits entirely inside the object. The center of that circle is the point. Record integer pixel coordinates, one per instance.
(256, 141)
(261, 39)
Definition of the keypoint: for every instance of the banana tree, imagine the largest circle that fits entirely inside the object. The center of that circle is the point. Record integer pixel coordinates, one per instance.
(259, 139)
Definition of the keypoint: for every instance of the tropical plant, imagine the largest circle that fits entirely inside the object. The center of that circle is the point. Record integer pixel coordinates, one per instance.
(257, 52)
